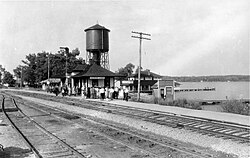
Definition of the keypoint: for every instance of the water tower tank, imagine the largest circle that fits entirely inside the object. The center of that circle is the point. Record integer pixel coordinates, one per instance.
(97, 38)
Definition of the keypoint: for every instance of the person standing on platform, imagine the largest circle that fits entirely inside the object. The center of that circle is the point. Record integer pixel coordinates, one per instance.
(126, 93)
(106, 92)
(102, 93)
(116, 91)
(56, 90)
(97, 93)
(82, 92)
(121, 93)
(92, 91)
(73, 91)
(69, 91)
(111, 93)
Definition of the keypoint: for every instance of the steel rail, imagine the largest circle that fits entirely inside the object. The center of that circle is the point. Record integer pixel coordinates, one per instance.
(173, 114)
(26, 141)
(54, 115)
(127, 132)
(207, 122)
(179, 121)
(183, 123)
(49, 133)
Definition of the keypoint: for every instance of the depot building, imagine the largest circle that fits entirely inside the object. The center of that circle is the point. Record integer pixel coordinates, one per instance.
(91, 75)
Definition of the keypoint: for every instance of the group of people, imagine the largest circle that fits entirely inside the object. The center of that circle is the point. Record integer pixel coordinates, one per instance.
(108, 93)
(92, 92)
(66, 90)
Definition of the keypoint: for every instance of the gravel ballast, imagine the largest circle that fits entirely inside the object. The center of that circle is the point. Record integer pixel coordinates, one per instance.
(217, 144)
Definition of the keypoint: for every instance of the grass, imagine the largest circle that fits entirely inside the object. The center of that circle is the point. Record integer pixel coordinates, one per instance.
(144, 98)
(181, 103)
(230, 106)
(236, 107)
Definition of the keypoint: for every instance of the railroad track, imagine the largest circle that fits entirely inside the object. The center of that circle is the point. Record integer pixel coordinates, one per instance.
(236, 132)
(39, 140)
(225, 130)
(152, 146)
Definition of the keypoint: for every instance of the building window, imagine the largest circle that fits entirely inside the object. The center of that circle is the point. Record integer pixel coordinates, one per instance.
(168, 90)
(95, 83)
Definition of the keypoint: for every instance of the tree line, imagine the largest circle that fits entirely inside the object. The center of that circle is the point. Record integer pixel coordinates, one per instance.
(35, 67)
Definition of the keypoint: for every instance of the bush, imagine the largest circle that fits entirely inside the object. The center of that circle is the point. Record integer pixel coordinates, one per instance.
(236, 107)
(178, 103)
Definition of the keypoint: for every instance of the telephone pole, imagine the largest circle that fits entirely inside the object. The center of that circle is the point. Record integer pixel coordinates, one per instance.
(48, 65)
(139, 67)
(66, 49)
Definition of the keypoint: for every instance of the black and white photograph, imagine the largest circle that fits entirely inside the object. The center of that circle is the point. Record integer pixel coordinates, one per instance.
(124, 79)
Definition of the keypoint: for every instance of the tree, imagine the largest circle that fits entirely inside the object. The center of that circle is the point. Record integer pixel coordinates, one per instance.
(127, 70)
(36, 66)
(2, 70)
(29, 75)
(18, 71)
(8, 78)
(75, 52)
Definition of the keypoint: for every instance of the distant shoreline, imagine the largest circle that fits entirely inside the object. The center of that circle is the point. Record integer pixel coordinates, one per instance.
(225, 78)
(216, 81)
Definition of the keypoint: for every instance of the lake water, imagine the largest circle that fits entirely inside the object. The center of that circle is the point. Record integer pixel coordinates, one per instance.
(223, 90)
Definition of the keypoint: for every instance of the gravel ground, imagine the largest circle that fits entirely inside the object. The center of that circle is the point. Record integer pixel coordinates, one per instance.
(217, 144)
(11, 142)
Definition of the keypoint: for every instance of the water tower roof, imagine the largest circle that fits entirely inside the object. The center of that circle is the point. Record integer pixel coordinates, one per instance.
(96, 27)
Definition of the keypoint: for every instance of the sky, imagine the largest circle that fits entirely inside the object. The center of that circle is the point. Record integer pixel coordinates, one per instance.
(188, 37)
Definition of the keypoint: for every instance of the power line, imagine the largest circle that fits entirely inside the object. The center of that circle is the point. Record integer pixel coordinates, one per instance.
(139, 67)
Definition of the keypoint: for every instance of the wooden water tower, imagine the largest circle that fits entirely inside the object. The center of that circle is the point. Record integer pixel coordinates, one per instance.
(97, 45)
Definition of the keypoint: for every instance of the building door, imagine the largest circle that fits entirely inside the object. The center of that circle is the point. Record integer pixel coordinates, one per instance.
(169, 92)
(107, 82)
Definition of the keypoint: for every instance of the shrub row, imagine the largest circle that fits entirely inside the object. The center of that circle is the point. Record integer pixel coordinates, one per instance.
(184, 103)
(236, 107)
(230, 106)
(179, 103)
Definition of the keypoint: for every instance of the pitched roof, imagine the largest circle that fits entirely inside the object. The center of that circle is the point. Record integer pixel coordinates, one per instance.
(96, 71)
(96, 27)
(81, 67)
(146, 73)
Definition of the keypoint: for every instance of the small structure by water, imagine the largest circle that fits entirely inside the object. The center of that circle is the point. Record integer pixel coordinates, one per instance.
(165, 89)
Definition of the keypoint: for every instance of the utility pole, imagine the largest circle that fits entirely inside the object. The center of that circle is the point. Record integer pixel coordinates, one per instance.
(48, 66)
(66, 49)
(21, 84)
(139, 67)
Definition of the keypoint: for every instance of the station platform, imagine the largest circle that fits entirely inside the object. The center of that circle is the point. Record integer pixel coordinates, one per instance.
(210, 115)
